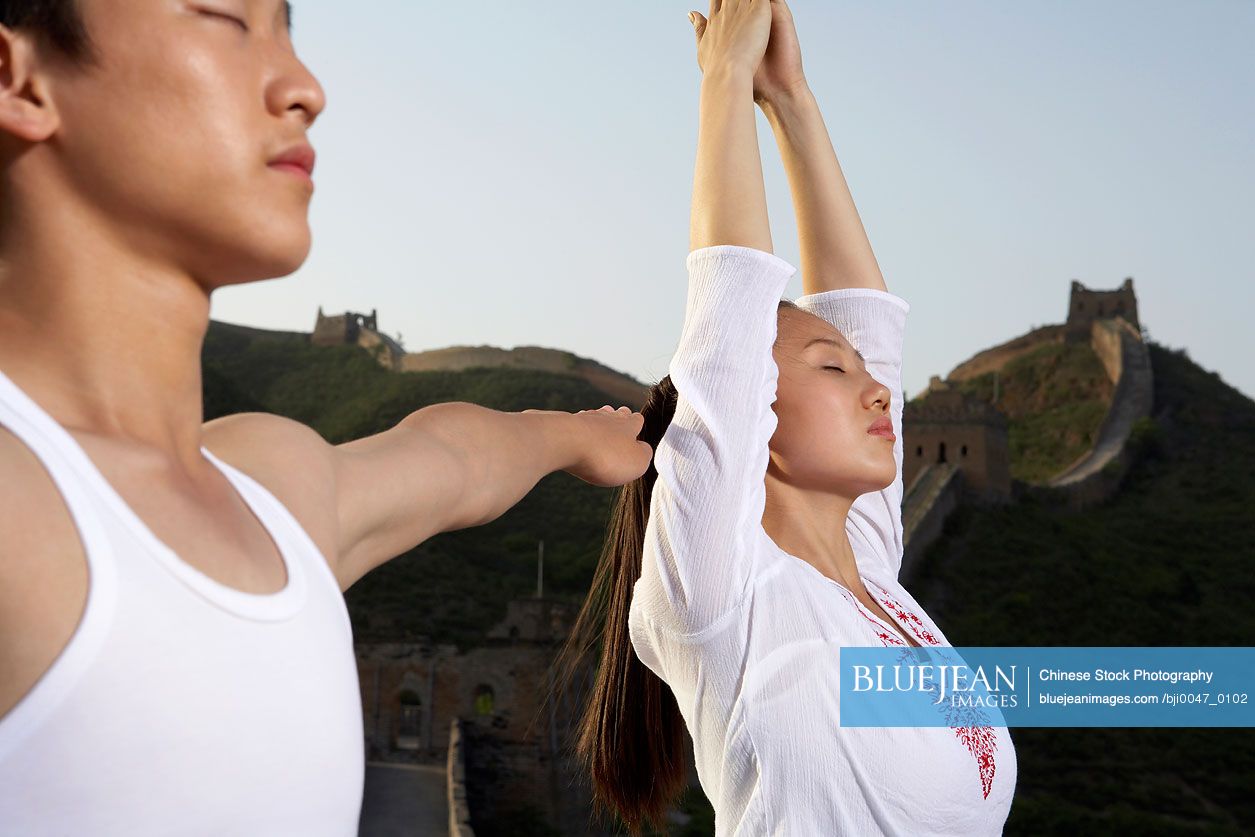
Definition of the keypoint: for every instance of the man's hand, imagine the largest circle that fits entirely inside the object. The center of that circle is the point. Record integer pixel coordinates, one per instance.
(613, 454)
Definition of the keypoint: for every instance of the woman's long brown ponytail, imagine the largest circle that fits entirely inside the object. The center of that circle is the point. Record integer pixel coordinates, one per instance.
(631, 738)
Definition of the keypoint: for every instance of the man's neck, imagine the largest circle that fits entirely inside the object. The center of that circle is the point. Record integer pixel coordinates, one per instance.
(104, 342)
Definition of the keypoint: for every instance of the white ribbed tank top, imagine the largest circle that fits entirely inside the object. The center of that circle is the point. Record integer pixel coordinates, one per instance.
(182, 705)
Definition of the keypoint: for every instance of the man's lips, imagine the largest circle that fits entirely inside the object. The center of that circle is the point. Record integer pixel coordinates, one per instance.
(299, 159)
(882, 427)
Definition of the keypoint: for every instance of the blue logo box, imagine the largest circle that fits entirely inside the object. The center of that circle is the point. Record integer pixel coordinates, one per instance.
(1047, 686)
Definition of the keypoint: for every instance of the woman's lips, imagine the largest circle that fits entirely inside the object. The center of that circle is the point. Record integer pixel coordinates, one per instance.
(882, 427)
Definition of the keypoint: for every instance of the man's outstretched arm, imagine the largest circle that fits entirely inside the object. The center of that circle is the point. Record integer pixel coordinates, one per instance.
(445, 467)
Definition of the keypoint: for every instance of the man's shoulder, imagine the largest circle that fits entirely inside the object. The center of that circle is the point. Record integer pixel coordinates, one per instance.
(290, 459)
(262, 436)
(281, 449)
(22, 469)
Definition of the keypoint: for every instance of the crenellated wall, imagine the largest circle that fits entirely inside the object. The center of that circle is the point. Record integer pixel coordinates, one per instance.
(459, 810)
(954, 449)
(936, 491)
(1097, 473)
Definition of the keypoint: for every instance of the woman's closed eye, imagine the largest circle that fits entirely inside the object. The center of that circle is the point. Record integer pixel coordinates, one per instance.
(838, 368)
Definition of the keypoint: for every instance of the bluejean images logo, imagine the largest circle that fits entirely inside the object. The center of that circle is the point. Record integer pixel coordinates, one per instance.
(961, 685)
(1045, 686)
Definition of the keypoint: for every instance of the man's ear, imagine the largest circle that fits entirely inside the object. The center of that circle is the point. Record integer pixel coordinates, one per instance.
(26, 111)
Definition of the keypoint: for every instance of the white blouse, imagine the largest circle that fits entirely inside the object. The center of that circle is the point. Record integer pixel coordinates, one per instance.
(745, 634)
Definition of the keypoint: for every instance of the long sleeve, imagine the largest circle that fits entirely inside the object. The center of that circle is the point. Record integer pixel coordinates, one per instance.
(873, 321)
(699, 551)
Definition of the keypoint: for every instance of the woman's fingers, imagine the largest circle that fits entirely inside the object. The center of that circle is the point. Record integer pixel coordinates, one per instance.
(699, 24)
(699, 29)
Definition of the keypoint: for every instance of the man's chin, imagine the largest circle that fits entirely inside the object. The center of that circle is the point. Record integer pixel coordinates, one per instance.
(259, 268)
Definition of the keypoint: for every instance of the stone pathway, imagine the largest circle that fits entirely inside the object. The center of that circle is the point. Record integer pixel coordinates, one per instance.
(403, 800)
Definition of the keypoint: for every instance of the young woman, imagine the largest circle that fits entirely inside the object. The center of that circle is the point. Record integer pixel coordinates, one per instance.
(767, 533)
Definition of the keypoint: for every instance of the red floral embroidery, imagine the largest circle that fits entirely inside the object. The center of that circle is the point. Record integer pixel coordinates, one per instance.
(885, 637)
(965, 721)
(916, 625)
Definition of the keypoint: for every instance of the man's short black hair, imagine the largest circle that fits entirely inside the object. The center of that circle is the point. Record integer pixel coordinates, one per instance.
(57, 22)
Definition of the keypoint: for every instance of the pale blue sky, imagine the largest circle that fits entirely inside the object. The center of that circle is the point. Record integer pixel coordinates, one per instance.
(520, 174)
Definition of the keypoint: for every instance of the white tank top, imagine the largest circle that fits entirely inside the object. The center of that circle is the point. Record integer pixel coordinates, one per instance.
(181, 705)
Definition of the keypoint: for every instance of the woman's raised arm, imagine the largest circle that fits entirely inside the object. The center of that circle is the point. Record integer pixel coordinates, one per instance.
(699, 560)
(835, 252)
(841, 281)
(729, 200)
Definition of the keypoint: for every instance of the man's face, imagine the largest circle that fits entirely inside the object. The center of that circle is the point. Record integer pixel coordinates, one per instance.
(169, 141)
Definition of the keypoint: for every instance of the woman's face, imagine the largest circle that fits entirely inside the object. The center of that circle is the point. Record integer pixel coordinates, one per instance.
(825, 401)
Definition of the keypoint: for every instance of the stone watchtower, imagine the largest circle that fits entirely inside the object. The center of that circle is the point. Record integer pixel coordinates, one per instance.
(948, 425)
(1085, 306)
(342, 328)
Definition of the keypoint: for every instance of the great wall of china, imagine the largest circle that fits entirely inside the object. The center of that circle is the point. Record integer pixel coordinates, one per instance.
(955, 452)
(1109, 323)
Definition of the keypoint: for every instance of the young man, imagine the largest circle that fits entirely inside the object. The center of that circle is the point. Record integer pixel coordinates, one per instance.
(175, 656)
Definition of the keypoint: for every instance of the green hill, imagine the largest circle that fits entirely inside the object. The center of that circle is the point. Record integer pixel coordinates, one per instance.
(1167, 561)
(455, 586)
(1055, 396)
